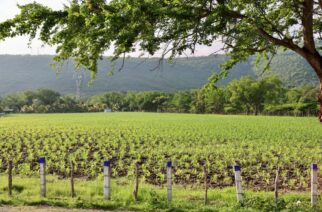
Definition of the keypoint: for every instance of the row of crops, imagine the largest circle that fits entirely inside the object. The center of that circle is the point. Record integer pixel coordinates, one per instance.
(259, 144)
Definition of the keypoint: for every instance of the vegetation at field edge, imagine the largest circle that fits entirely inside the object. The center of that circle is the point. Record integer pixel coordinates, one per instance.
(245, 96)
(151, 198)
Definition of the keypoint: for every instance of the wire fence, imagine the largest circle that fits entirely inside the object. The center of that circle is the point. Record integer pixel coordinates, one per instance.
(169, 181)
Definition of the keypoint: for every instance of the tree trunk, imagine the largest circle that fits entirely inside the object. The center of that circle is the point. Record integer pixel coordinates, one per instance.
(320, 101)
(316, 63)
(315, 60)
(256, 111)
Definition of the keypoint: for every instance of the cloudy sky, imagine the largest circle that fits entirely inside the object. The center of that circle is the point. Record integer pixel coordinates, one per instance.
(18, 45)
(8, 9)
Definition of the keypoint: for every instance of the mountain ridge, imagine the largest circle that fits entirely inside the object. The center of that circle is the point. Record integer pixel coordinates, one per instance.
(29, 72)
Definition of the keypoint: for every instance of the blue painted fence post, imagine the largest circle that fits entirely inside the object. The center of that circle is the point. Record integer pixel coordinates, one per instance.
(169, 180)
(314, 184)
(107, 180)
(239, 190)
(42, 163)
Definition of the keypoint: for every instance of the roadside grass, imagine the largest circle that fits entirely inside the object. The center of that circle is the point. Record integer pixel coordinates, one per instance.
(89, 195)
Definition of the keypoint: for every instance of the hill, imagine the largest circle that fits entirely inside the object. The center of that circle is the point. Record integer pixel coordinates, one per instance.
(27, 72)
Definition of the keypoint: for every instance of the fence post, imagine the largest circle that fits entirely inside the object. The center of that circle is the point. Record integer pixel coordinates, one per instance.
(314, 184)
(10, 177)
(136, 187)
(239, 190)
(169, 180)
(107, 181)
(276, 185)
(206, 184)
(42, 163)
(72, 182)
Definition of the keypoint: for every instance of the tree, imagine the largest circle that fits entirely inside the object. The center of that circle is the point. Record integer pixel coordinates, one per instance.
(150, 101)
(30, 96)
(161, 102)
(85, 29)
(198, 101)
(181, 101)
(215, 100)
(13, 101)
(250, 95)
(131, 99)
(303, 94)
(47, 97)
(114, 100)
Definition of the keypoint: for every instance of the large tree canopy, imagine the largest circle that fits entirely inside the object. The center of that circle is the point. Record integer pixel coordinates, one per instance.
(85, 29)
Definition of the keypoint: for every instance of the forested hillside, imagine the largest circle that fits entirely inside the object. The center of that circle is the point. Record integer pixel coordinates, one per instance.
(20, 73)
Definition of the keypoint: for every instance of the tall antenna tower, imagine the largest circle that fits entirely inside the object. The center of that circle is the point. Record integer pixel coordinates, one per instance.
(79, 75)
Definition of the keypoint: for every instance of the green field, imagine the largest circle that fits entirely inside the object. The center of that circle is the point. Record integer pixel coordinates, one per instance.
(258, 144)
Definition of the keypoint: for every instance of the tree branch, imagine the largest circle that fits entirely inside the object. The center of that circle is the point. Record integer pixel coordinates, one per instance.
(250, 49)
(123, 62)
(280, 42)
(286, 42)
(307, 23)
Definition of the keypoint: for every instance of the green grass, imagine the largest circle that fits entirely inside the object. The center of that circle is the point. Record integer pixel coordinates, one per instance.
(89, 194)
(259, 144)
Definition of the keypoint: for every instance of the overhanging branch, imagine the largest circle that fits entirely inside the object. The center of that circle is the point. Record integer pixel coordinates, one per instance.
(284, 42)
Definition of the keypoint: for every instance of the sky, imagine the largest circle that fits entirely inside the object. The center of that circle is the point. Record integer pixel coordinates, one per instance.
(19, 45)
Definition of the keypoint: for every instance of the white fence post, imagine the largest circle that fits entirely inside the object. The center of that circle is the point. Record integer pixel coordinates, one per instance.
(239, 190)
(169, 180)
(107, 180)
(314, 184)
(42, 163)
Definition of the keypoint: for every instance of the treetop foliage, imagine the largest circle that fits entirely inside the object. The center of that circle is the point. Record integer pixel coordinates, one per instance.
(85, 29)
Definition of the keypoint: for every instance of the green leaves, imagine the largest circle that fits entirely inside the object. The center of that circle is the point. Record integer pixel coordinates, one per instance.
(84, 30)
(260, 144)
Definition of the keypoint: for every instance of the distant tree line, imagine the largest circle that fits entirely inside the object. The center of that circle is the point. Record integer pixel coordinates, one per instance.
(245, 96)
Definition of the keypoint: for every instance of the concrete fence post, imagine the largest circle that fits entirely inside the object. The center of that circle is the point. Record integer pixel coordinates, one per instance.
(169, 180)
(239, 190)
(314, 184)
(107, 180)
(42, 163)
